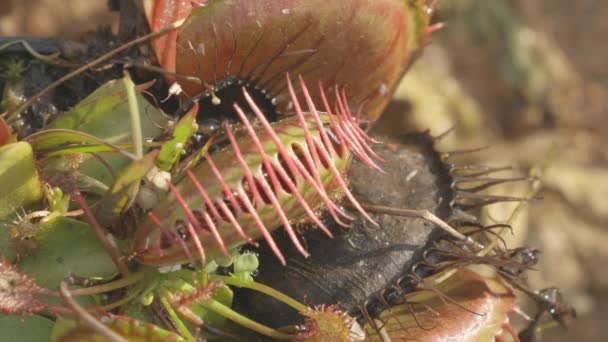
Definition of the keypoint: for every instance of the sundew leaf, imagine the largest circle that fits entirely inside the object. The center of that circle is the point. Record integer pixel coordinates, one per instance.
(25, 328)
(481, 313)
(222, 294)
(65, 247)
(17, 291)
(131, 329)
(244, 265)
(188, 295)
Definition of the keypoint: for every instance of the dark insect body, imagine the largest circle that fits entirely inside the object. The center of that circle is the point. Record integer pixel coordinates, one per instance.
(551, 301)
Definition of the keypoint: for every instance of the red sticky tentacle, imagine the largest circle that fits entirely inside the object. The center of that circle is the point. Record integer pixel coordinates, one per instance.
(196, 223)
(248, 176)
(269, 193)
(315, 114)
(292, 163)
(208, 203)
(343, 120)
(307, 136)
(214, 232)
(193, 221)
(212, 208)
(225, 188)
(292, 187)
(237, 226)
(265, 233)
(330, 115)
(359, 133)
(333, 208)
(348, 194)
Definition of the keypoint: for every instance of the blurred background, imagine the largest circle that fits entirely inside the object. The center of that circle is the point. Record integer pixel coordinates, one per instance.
(528, 79)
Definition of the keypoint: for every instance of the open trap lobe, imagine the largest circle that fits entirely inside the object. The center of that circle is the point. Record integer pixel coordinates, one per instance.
(362, 261)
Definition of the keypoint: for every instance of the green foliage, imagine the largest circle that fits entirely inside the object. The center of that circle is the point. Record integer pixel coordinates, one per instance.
(25, 328)
(20, 184)
(65, 247)
(14, 69)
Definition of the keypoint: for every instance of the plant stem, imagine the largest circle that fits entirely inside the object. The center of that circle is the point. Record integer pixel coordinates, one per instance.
(120, 302)
(413, 213)
(117, 284)
(91, 321)
(183, 330)
(163, 71)
(99, 60)
(116, 258)
(263, 289)
(234, 316)
(44, 44)
(136, 134)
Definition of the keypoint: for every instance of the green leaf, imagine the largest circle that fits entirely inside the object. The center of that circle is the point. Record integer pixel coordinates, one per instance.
(25, 328)
(224, 295)
(105, 114)
(63, 141)
(18, 178)
(223, 261)
(244, 265)
(173, 148)
(20, 187)
(64, 247)
(114, 201)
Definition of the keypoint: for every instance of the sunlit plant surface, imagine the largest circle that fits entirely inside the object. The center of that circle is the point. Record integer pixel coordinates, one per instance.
(122, 222)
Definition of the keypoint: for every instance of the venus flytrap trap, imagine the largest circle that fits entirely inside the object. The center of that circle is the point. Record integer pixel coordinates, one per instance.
(269, 148)
(280, 173)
